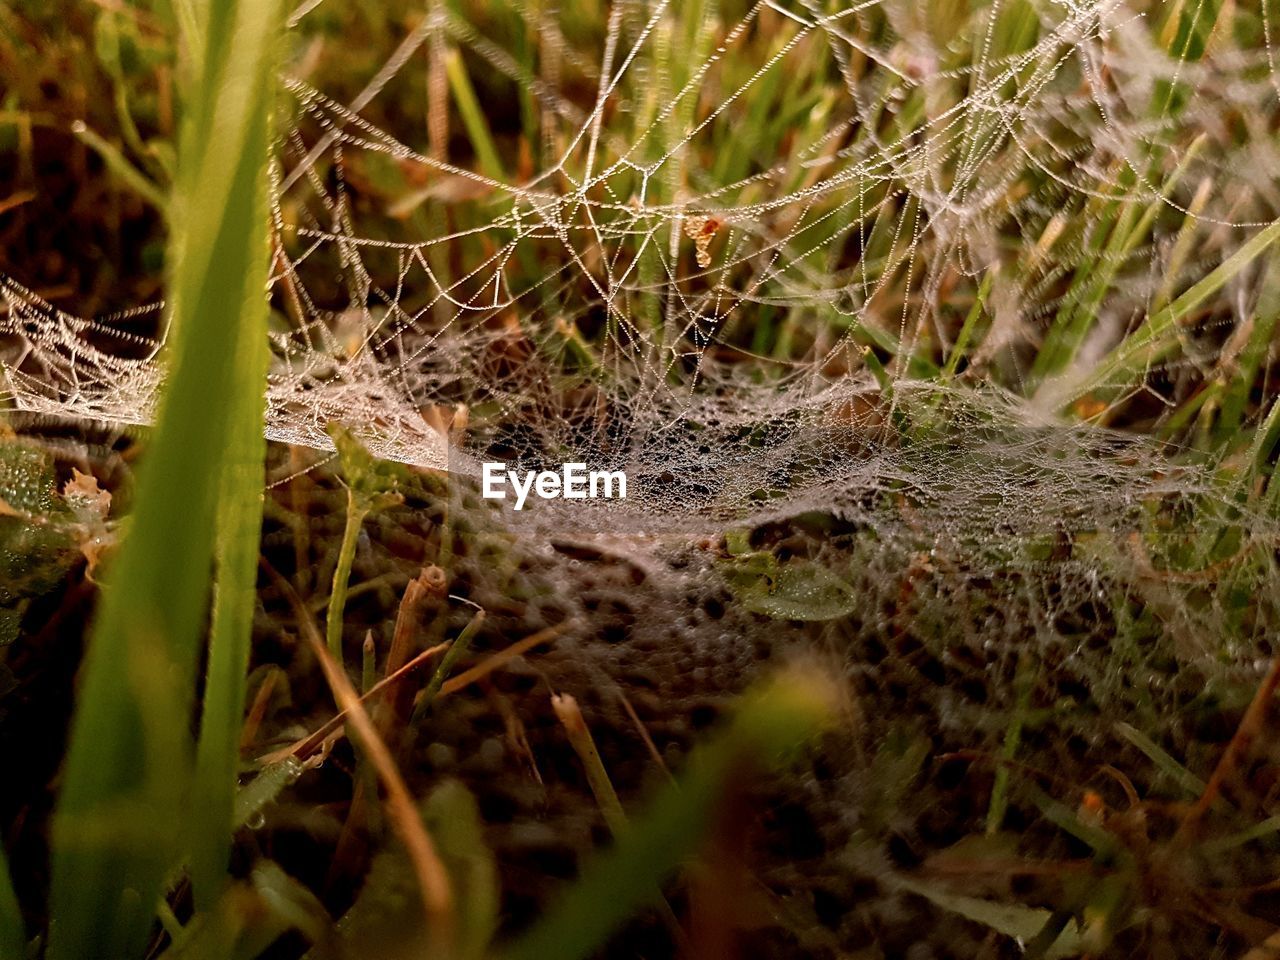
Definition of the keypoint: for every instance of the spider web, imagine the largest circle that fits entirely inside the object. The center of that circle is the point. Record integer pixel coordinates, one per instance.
(735, 253)
(951, 284)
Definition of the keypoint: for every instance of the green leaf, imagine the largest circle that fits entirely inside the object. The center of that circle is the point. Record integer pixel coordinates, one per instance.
(1013, 920)
(795, 590)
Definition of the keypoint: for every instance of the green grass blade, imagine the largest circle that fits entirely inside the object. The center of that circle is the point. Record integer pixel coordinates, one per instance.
(1013, 920)
(1187, 781)
(13, 940)
(1071, 328)
(447, 663)
(769, 722)
(1264, 441)
(120, 819)
(1254, 354)
(473, 118)
(970, 324)
(122, 168)
(1157, 337)
(256, 795)
(1025, 682)
(1259, 831)
(236, 564)
(1190, 24)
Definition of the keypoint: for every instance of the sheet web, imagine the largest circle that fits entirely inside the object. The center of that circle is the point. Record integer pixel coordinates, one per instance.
(930, 335)
(763, 258)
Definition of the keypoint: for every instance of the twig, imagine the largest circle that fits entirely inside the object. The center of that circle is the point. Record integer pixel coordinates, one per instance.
(490, 664)
(1250, 727)
(644, 735)
(311, 743)
(433, 878)
(304, 748)
(570, 716)
(431, 582)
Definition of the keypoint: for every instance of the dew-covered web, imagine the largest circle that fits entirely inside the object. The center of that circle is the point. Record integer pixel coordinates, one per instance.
(931, 336)
(763, 257)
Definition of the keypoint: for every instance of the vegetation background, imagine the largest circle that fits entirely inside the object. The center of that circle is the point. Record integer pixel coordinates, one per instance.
(798, 738)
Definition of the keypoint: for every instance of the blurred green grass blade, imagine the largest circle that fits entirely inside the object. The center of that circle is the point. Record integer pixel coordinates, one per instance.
(1254, 354)
(1158, 335)
(770, 721)
(387, 924)
(1259, 831)
(190, 17)
(1024, 685)
(251, 799)
(108, 48)
(1190, 24)
(473, 118)
(970, 324)
(1185, 36)
(251, 916)
(236, 565)
(121, 167)
(1182, 244)
(121, 813)
(1171, 768)
(453, 818)
(13, 939)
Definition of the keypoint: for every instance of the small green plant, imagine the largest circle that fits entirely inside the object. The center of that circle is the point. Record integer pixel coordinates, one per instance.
(370, 486)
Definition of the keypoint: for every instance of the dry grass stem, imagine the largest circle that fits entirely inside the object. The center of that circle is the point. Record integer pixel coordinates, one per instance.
(429, 870)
